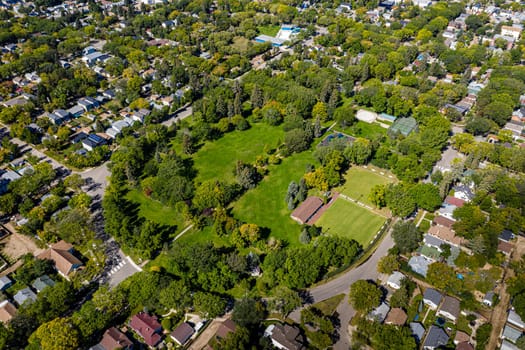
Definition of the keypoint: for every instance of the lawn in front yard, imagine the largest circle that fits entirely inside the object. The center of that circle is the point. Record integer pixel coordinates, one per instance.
(359, 181)
(265, 204)
(155, 211)
(347, 219)
(217, 159)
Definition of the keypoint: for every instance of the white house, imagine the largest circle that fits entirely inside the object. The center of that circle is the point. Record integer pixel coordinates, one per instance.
(450, 308)
(513, 31)
(394, 280)
(432, 298)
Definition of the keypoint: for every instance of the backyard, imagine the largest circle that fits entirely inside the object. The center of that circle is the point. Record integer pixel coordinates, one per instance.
(269, 29)
(217, 159)
(359, 181)
(347, 219)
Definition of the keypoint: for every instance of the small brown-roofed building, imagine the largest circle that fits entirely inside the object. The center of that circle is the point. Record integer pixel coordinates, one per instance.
(505, 247)
(225, 328)
(455, 201)
(464, 346)
(307, 209)
(182, 333)
(115, 339)
(461, 337)
(396, 317)
(445, 234)
(450, 308)
(148, 327)
(7, 311)
(61, 254)
(285, 337)
(443, 221)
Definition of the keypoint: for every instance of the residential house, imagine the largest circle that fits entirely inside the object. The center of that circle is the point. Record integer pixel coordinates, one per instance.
(379, 313)
(7, 311)
(88, 103)
(447, 211)
(21, 100)
(42, 282)
(147, 327)
(445, 234)
(396, 317)
(506, 345)
(512, 31)
(418, 331)
(436, 338)
(182, 333)
(113, 339)
(505, 248)
(307, 209)
(461, 337)
(93, 141)
(25, 295)
(464, 346)
(226, 327)
(5, 282)
(76, 111)
(506, 236)
(510, 333)
(434, 242)
(61, 253)
(451, 200)
(285, 337)
(394, 280)
(419, 264)
(450, 308)
(443, 221)
(94, 58)
(432, 298)
(488, 299)
(514, 319)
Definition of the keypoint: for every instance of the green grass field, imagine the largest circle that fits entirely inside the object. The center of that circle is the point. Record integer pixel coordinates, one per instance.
(359, 181)
(269, 30)
(217, 159)
(265, 205)
(362, 129)
(156, 211)
(347, 219)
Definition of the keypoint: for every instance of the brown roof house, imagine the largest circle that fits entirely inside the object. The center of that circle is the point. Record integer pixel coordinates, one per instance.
(114, 339)
(285, 337)
(450, 308)
(443, 221)
(7, 311)
(148, 327)
(307, 209)
(61, 254)
(445, 234)
(396, 317)
(182, 333)
(225, 328)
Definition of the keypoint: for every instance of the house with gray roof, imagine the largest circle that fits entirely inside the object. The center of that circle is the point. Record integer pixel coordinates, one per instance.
(394, 280)
(510, 333)
(419, 264)
(450, 308)
(432, 298)
(418, 331)
(42, 282)
(379, 313)
(506, 345)
(514, 319)
(24, 295)
(435, 339)
(432, 241)
(5, 282)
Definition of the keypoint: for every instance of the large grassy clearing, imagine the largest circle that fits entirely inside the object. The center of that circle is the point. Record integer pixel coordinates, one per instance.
(359, 181)
(155, 211)
(347, 219)
(217, 159)
(363, 129)
(265, 205)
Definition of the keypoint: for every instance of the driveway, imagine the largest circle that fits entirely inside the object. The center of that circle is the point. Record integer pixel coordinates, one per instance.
(341, 284)
(183, 113)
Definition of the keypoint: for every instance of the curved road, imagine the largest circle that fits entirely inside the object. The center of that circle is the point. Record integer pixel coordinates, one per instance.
(341, 284)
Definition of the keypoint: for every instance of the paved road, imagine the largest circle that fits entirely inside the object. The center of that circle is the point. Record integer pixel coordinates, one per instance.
(341, 284)
(182, 114)
(98, 180)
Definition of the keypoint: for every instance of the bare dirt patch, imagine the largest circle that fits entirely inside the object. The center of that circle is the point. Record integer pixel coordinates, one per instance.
(16, 245)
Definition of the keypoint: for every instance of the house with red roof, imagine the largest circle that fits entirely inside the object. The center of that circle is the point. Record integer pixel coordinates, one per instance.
(148, 327)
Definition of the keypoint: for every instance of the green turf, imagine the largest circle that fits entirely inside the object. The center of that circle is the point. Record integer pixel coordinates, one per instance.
(359, 181)
(349, 220)
(363, 129)
(265, 205)
(156, 211)
(217, 159)
(269, 30)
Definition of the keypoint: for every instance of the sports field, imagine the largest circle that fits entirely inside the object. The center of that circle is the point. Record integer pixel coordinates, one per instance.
(347, 219)
(359, 181)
